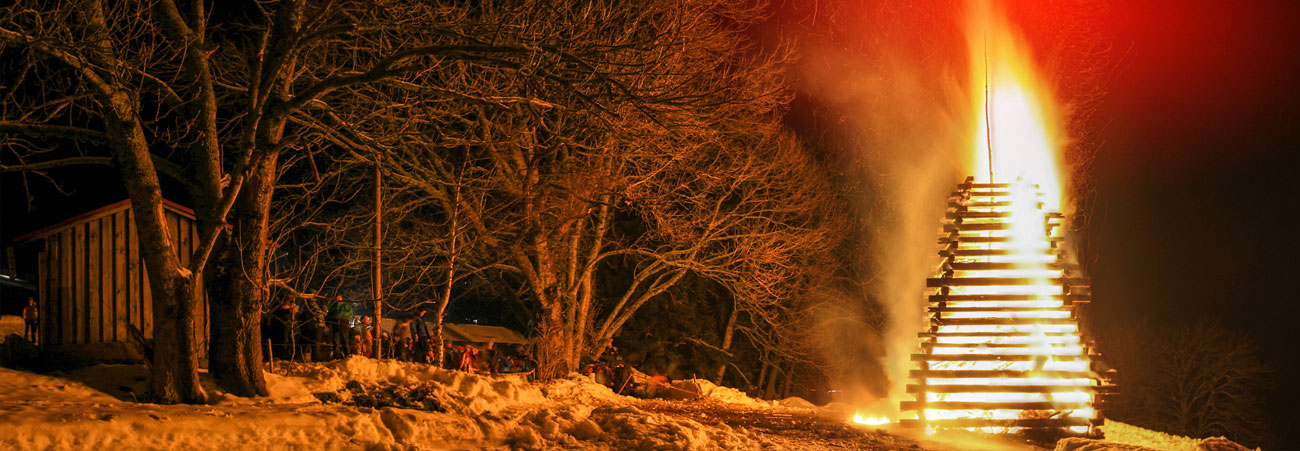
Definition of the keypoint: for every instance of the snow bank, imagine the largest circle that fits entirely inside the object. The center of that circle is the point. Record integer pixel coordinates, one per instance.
(701, 388)
(729, 395)
(1127, 434)
(463, 393)
(1126, 437)
(47, 412)
(93, 408)
(582, 389)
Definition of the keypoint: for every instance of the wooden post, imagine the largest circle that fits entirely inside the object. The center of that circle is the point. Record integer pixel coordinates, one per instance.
(377, 286)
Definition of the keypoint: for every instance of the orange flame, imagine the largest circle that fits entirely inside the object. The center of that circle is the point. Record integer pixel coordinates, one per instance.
(870, 420)
(1015, 115)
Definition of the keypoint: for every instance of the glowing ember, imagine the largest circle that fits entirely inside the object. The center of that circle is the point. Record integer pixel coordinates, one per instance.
(870, 421)
(1004, 351)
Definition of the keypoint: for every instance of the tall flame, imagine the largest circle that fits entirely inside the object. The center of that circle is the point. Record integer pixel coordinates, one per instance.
(1004, 348)
(1016, 119)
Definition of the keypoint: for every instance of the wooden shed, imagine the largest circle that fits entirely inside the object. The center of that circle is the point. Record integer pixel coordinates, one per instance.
(92, 282)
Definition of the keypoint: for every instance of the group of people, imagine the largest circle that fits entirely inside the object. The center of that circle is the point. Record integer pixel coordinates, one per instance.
(490, 359)
(334, 333)
(317, 334)
(609, 370)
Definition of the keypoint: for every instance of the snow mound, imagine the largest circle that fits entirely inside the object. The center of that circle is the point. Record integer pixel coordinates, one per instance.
(563, 413)
(1126, 437)
(1086, 444)
(580, 388)
(710, 390)
(1128, 434)
(731, 395)
(92, 408)
(795, 402)
(464, 393)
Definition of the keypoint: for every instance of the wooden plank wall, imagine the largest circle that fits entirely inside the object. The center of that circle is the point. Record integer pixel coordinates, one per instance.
(93, 283)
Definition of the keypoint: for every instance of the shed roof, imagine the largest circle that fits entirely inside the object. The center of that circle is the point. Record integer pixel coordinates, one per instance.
(101, 211)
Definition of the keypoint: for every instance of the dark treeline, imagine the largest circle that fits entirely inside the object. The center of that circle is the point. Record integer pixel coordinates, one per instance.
(572, 162)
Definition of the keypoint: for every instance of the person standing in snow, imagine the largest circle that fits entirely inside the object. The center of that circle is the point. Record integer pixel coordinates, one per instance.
(402, 337)
(386, 345)
(521, 361)
(449, 356)
(467, 358)
(366, 336)
(611, 358)
(489, 358)
(30, 320)
(340, 317)
(281, 327)
(423, 338)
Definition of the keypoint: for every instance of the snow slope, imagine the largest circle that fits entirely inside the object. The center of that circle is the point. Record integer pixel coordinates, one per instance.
(85, 410)
(94, 408)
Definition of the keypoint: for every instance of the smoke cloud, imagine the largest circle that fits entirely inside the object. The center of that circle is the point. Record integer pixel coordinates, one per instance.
(895, 101)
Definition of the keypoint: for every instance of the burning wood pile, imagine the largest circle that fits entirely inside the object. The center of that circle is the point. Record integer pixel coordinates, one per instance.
(1004, 352)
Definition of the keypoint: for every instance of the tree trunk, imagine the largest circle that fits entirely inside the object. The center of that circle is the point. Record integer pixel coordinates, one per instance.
(789, 380)
(770, 391)
(377, 276)
(440, 358)
(175, 367)
(453, 233)
(235, 358)
(553, 347)
(727, 333)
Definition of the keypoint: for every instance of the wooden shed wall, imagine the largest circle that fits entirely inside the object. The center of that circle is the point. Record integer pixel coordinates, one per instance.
(92, 282)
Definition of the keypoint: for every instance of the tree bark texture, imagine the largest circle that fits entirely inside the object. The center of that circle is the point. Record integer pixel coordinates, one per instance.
(236, 355)
(727, 333)
(453, 232)
(377, 271)
(175, 364)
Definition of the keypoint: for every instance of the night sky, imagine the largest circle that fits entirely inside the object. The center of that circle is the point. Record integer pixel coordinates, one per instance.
(1196, 176)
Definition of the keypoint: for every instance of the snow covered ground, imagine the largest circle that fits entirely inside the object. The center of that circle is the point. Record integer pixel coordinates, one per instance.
(93, 408)
(83, 410)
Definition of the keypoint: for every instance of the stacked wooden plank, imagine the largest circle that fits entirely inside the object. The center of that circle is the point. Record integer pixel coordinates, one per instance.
(1004, 351)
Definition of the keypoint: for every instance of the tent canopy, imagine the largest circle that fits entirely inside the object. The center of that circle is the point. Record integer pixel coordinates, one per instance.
(470, 333)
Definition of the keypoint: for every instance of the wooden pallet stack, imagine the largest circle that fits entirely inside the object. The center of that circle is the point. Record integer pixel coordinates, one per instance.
(1004, 351)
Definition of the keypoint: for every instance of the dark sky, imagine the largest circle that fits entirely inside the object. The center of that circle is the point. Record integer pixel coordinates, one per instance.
(1196, 175)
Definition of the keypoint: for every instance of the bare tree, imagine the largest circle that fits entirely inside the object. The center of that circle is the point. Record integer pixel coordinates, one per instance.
(160, 81)
(565, 139)
(1197, 379)
(135, 80)
(606, 112)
